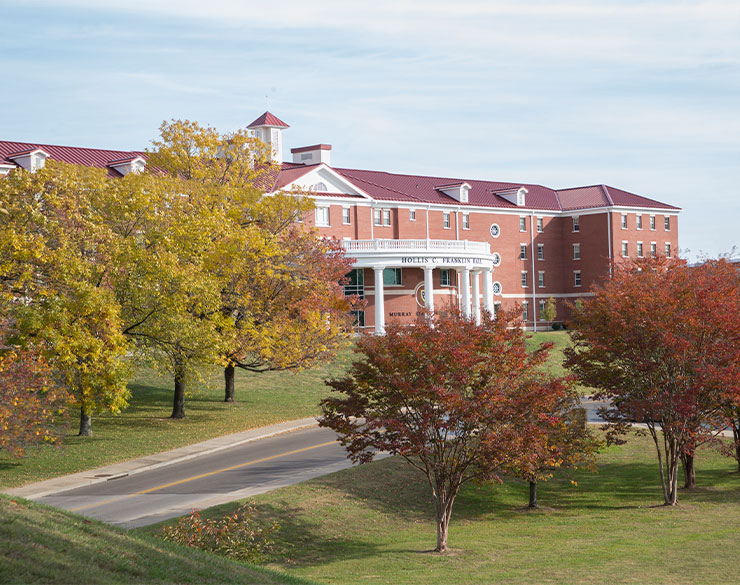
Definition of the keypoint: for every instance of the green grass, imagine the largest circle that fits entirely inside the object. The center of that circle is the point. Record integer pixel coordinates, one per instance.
(554, 364)
(145, 427)
(39, 544)
(374, 524)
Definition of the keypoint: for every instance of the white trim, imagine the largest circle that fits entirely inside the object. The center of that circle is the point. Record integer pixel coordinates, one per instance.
(554, 295)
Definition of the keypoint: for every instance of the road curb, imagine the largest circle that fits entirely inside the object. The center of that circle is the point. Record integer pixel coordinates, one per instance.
(118, 470)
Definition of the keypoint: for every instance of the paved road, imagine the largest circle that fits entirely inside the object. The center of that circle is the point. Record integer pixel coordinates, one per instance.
(174, 490)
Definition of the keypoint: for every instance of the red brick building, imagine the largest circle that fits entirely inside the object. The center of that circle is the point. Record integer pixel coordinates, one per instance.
(443, 242)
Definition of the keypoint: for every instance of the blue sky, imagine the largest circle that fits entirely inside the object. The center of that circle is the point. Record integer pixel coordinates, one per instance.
(644, 96)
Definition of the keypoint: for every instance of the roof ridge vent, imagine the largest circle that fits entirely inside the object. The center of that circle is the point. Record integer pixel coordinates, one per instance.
(311, 155)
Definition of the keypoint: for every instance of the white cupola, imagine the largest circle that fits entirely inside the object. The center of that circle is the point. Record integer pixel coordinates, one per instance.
(269, 129)
(31, 159)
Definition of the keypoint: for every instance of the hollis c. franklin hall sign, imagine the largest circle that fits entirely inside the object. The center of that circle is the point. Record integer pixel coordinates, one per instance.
(439, 260)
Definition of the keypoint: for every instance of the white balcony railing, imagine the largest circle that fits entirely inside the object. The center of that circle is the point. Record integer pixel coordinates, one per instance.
(421, 245)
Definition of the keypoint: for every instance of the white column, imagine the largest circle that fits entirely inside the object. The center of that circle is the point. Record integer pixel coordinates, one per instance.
(476, 296)
(488, 290)
(465, 292)
(428, 289)
(379, 302)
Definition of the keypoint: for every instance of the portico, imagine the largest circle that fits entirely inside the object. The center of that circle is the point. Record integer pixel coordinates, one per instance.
(470, 260)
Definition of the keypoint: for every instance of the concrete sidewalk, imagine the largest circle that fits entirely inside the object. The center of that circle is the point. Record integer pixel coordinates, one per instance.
(118, 470)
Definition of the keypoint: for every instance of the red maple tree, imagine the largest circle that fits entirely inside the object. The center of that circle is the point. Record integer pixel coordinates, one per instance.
(459, 402)
(660, 341)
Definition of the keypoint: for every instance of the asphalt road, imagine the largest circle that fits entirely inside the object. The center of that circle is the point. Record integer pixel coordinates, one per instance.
(174, 490)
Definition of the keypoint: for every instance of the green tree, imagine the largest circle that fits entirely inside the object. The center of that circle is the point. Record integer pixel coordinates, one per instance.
(549, 313)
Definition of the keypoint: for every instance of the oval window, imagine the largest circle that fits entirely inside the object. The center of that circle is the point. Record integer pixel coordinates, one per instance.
(496, 259)
(497, 288)
(495, 230)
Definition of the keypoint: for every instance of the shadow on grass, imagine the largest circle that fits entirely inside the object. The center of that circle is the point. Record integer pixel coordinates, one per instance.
(301, 543)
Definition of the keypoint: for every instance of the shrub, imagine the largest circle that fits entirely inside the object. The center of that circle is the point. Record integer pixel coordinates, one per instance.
(556, 326)
(236, 536)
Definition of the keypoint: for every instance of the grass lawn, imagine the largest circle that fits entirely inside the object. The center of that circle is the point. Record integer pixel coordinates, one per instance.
(560, 340)
(145, 427)
(374, 524)
(39, 544)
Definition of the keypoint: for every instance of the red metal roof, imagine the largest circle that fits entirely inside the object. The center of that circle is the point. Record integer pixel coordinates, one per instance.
(89, 157)
(267, 119)
(314, 147)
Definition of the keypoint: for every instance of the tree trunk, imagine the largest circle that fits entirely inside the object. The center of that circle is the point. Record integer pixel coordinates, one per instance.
(85, 423)
(178, 407)
(532, 494)
(689, 473)
(229, 383)
(443, 526)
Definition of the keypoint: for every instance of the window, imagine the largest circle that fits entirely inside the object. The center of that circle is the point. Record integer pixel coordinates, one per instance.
(540, 251)
(542, 309)
(355, 284)
(522, 224)
(496, 309)
(392, 277)
(652, 222)
(376, 216)
(412, 214)
(625, 253)
(525, 310)
(541, 279)
(446, 220)
(624, 221)
(524, 278)
(576, 278)
(522, 251)
(358, 318)
(667, 249)
(346, 216)
(576, 223)
(444, 277)
(496, 259)
(466, 221)
(639, 249)
(638, 221)
(539, 225)
(386, 217)
(667, 223)
(653, 249)
(322, 216)
(576, 251)
(495, 230)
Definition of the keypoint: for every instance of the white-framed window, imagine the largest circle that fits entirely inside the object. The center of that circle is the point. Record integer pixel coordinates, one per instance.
(495, 230)
(625, 250)
(386, 217)
(653, 249)
(496, 309)
(576, 251)
(576, 223)
(667, 250)
(377, 216)
(652, 222)
(525, 310)
(541, 279)
(624, 221)
(524, 278)
(522, 223)
(638, 221)
(667, 223)
(639, 249)
(497, 288)
(540, 251)
(322, 217)
(444, 277)
(412, 214)
(522, 251)
(346, 216)
(496, 259)
(542, 309)
(446, 219)
(466, 221)
(576, 278)
(540, 227)
(392, 277)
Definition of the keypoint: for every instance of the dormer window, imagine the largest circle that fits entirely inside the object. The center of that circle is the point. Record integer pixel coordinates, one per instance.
(134, 164)
(32, 159)
(515, 196)
(458, 191)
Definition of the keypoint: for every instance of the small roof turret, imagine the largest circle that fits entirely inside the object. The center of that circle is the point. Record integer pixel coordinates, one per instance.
(268, 119)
